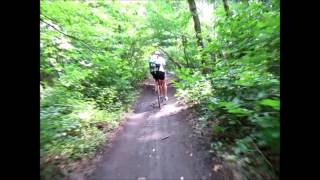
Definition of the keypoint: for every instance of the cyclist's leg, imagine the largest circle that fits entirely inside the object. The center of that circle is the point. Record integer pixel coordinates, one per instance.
(155, 81)
(160, 87)
(165, 90)
(163, 84)
(158, 83)
(165, 87)
(155, 85)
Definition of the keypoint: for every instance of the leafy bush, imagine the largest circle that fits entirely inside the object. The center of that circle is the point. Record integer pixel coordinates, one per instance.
(93, 54)
(241, 94)
(90, 66)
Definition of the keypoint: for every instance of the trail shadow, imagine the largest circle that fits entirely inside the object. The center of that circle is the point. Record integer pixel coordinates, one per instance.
(147, 98)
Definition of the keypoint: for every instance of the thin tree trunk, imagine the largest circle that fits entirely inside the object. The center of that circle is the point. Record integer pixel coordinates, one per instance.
(184, 43)
(226, 7)
(197, 27)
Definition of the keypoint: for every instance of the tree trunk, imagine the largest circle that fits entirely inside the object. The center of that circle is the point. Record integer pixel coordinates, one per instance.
(226, 7)
(197, 27)
(184, 44)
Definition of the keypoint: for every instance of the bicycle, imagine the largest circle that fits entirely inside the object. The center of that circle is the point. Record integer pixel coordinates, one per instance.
(155, 69)
(160, 99)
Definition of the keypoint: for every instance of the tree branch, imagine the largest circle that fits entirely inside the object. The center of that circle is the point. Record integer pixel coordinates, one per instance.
(75, 38)
(264, 157)
(171, 59)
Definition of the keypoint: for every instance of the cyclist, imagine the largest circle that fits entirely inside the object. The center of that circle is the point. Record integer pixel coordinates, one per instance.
(157, 63)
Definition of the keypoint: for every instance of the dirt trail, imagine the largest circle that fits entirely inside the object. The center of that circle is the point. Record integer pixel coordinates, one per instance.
(156, 144)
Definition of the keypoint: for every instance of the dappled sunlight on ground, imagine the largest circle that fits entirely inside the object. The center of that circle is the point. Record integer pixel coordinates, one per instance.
(135, 118)
(137, 115)
(168, 110)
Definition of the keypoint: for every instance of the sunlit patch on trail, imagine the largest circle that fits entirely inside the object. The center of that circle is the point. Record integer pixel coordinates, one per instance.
(137, 115)
(168, 110)
(134, 118)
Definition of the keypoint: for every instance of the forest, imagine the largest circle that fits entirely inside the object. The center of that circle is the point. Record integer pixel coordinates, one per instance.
(224, 54)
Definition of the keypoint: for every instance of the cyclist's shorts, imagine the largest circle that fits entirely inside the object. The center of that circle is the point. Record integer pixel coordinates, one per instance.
(159, 75)
(153, 75)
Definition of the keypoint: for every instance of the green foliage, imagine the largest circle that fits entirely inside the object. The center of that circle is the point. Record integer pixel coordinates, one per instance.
(93, 54)
(270, 102)
(91, 60)
(241, 92)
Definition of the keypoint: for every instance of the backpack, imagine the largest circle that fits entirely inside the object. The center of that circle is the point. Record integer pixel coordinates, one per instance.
(154, 67)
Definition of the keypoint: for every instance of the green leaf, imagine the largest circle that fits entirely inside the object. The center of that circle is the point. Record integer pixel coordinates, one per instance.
(217, 129)
(275, 104)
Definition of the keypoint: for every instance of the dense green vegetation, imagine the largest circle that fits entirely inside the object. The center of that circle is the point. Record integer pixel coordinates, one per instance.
(91, 62)
(93, 54)
(239, 97)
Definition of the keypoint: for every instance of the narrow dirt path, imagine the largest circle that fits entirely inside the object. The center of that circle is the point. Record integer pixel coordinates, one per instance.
(155, 144)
